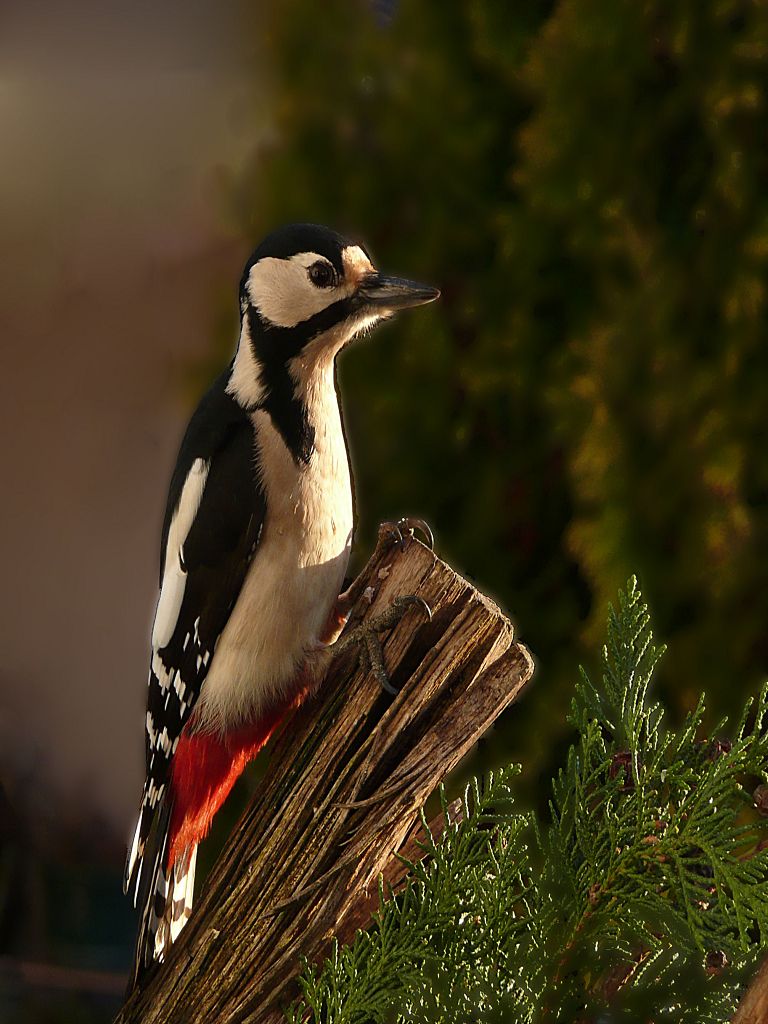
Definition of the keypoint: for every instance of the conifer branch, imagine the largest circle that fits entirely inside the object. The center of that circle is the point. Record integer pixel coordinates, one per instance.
(643, 897)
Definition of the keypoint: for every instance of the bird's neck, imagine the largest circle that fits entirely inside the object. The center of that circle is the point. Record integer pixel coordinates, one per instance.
(291, 419)
(294, 383)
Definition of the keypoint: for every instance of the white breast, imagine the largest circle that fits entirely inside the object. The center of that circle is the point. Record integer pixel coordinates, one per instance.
(297, 572)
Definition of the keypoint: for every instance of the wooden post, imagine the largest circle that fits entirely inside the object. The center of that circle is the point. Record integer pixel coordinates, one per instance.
(346, 779)
(753, 1008)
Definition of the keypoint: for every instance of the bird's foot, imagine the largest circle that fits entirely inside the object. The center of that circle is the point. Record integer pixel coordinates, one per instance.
(403, 531)
(366, 637)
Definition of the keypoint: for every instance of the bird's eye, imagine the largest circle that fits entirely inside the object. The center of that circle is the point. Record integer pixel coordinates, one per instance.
(322, 275)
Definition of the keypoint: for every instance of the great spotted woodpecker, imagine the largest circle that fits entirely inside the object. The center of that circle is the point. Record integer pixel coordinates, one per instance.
(255, 544)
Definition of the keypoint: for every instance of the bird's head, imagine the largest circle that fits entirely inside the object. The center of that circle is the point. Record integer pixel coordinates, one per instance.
(306, 291)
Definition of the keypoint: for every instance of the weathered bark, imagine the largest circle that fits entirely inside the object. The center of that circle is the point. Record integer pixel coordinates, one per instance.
(753, 1008)
(346, 779)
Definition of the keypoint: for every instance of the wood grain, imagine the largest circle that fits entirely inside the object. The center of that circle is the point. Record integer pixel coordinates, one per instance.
(346, 780)
(753, 1008)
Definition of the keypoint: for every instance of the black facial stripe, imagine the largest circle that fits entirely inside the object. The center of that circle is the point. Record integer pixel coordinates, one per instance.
(274, 347)
(283, 343)
(289, 414)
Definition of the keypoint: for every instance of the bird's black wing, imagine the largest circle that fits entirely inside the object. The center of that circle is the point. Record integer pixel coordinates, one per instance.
(212, 528)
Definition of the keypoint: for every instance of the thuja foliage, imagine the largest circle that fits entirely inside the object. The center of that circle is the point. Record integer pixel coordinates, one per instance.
(643, 895)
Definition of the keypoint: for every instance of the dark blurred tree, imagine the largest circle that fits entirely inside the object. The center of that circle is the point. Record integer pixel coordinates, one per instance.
(587, 185)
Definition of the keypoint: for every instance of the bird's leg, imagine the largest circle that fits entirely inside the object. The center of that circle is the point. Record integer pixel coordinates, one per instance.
(398, 533)
(366, 637)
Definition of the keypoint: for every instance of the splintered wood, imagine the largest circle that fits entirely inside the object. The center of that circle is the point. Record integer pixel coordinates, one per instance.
(345, 782)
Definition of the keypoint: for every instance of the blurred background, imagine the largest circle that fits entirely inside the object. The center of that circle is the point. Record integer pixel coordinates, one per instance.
(586, 183)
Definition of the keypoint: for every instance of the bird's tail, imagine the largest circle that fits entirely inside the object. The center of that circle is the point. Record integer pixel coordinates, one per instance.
(172, 901)
(204, 769)
(146, 873)
(165, 895)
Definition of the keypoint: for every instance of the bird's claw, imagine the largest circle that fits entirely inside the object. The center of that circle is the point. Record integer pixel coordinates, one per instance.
(401, 606)
(366, 637)
(404, 530)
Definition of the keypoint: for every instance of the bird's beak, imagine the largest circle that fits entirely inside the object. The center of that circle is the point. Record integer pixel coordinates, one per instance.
(386, 294)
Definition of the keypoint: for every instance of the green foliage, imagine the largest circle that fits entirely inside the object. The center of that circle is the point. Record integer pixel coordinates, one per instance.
(645, 891)
(585, 182)
(432, 931)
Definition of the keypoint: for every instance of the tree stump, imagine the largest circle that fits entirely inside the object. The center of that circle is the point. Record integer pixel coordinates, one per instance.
(345, 783)
(753, 1008)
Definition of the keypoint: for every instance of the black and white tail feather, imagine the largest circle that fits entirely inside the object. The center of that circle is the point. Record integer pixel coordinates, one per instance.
(165, 900)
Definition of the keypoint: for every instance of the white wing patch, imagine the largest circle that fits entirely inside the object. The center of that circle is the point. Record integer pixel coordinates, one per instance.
(137, 850)
(161, 743)
(175, 576)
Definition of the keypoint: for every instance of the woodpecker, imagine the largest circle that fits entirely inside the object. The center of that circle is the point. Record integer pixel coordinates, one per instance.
(255, 544)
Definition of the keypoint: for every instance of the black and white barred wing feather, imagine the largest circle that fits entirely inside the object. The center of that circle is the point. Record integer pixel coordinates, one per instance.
(212, 527)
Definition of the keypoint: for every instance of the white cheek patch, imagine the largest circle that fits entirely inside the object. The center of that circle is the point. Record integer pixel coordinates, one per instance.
(284, 295)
